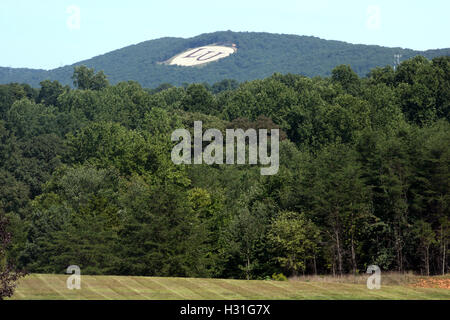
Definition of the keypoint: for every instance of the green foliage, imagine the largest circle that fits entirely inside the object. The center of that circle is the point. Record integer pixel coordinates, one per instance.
(26, 119)
(279, 277)
(425, 235)
(296, 240)
(108, 144)
(198, 99)
(86, 175)
(50, 91)
(85, 78)
(347, 78)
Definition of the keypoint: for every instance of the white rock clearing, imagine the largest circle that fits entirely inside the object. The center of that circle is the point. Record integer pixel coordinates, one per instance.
(202, 55)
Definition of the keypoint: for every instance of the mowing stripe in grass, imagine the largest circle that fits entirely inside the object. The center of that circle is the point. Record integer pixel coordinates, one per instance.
(250, 294)
(60, 281)
(101, 285)
(350, 291)
(160, 292)
(123, 287)
(217, 286)
(295, 292)
(394, 290)
(205, 289)
(293, 287)
(231, 289)
(244, 284)
(142, 289)
(243, 290)
(156, 280)
(321, 288)
(267, 290)
(366, 293)
(19, 294)
(428, 293)
(28, 285)
(88, 286)
(421, 293)
(221, 288)
(44, 280)
(284, 292)
(181, 284)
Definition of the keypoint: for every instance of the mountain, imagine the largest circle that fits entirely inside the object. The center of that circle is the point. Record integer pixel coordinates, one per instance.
(258, 55)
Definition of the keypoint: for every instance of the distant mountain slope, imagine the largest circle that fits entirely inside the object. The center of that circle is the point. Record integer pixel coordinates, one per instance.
(259, 55)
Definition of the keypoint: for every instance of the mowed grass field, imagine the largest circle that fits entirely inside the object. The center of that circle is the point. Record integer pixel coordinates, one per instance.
(53, 287)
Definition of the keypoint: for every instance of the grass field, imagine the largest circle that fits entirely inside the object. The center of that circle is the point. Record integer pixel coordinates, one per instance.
(50, 287)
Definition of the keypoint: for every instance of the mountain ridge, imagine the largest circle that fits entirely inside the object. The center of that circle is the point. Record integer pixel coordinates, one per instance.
(259, 55)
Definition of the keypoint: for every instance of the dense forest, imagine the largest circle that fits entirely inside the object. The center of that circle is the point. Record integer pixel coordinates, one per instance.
(259, 55)
(86, 176)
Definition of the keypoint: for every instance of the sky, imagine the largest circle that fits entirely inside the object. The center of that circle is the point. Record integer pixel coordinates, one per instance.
(47, 34)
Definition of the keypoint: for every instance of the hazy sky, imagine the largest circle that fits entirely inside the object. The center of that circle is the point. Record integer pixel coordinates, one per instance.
(52, 33)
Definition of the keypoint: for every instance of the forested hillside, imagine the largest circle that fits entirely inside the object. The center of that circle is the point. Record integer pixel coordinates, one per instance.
(86, 176)
(259, 55)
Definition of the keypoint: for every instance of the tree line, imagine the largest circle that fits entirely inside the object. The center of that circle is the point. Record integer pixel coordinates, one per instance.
(86, 176)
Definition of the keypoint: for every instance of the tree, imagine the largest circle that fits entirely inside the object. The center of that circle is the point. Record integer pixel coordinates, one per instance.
(110, 144)
(8, 274)
(50, 91)
(224, 85)
(11, 93)
(161, 234)
(444, 239)
(384, 75)
(347, 78)
(295, 238)
(245, 234)
(198, 99)
(441, 66)
(26, 119)
(338, 199)
(85, 78)
(417, 85)
(88, 241)
(426, 237)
